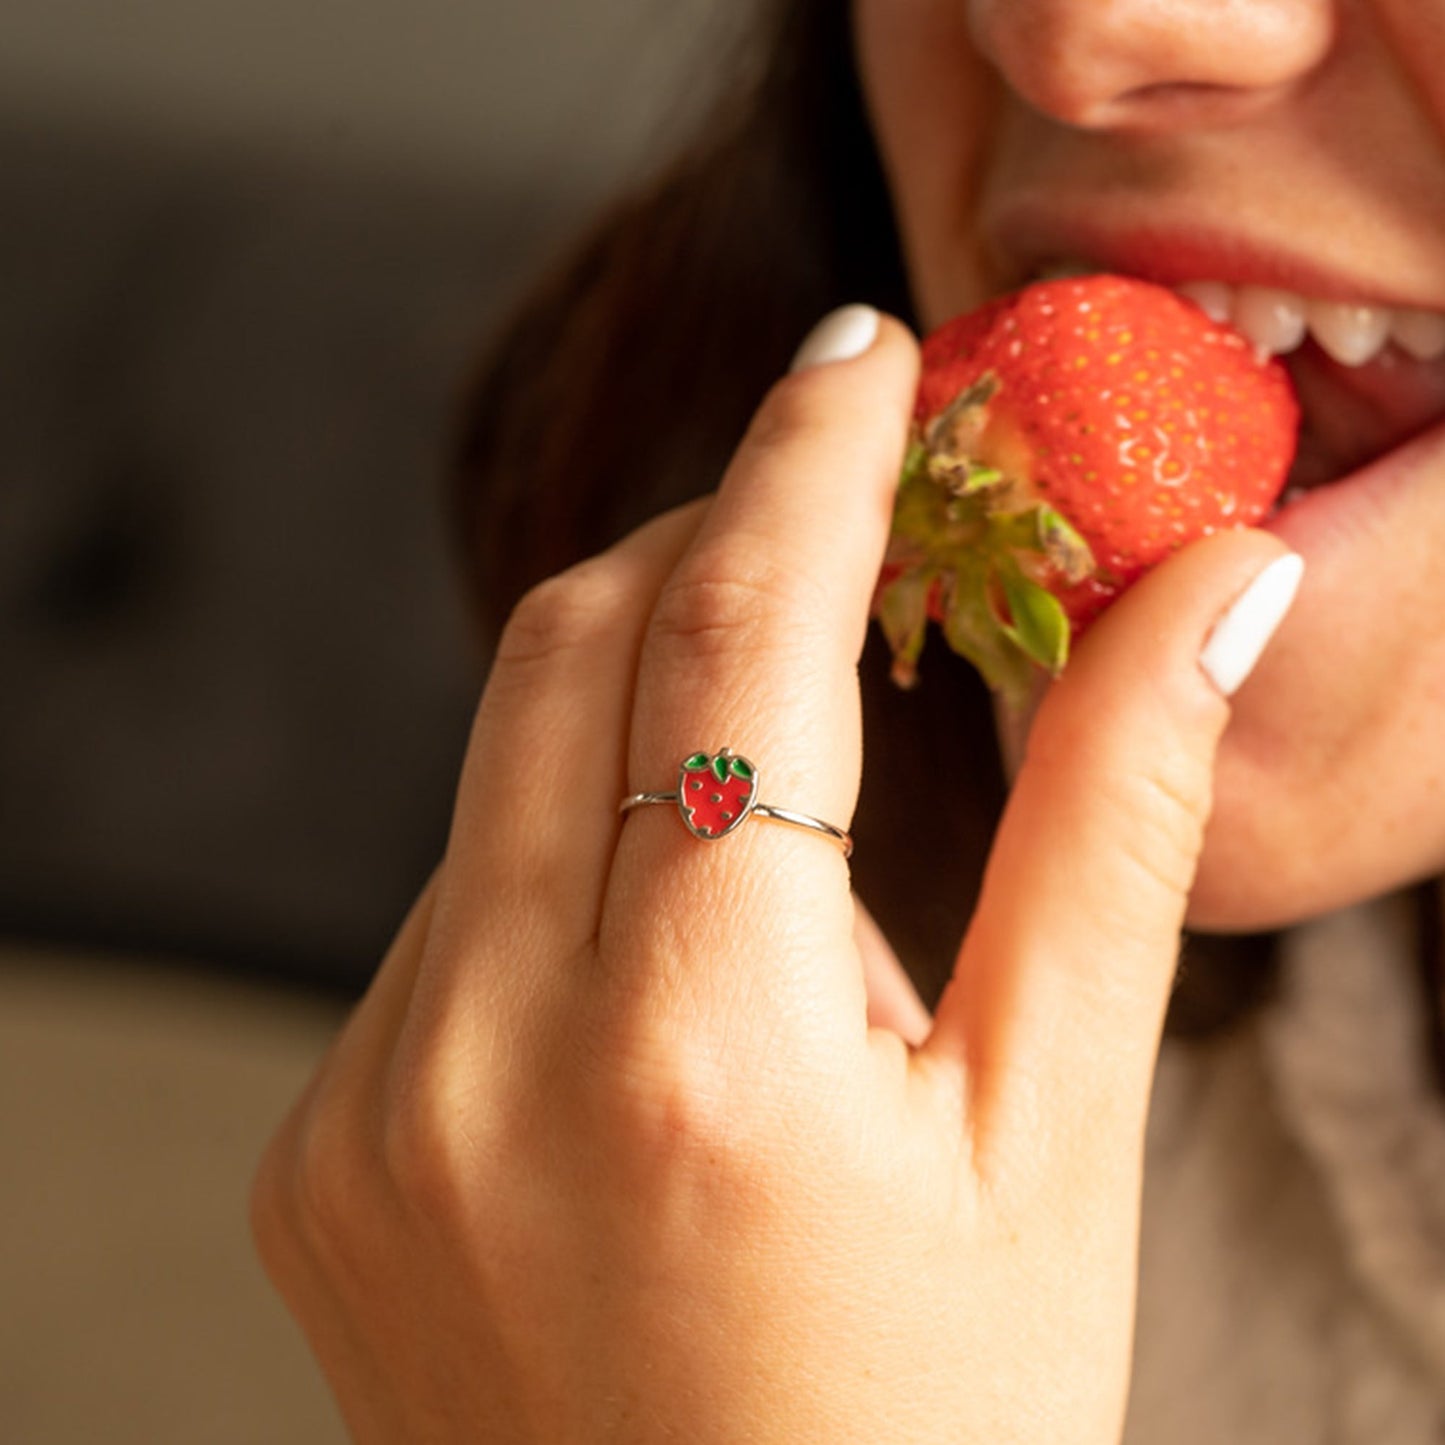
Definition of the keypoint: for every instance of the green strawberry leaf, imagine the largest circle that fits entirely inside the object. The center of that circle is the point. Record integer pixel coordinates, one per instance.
(720, 768)
(953, 436)
(696, 763)
(1041, 530)
(741, 769)
(915, 463)
(973, 629)
(1037, 623)
(1063, 546)
(903, 615)
(980, 479)
(1015, 532)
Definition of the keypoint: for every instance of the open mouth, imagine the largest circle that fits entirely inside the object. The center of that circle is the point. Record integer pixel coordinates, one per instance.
(1352, 415)
(1369, 378)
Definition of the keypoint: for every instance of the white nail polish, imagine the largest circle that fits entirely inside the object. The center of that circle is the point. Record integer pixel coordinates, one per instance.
(1244, 631)
(839, 336)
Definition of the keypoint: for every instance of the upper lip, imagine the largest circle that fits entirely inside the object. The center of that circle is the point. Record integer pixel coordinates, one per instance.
(1025, 236)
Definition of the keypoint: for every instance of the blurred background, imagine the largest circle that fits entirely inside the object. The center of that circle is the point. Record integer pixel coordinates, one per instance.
(248, 253)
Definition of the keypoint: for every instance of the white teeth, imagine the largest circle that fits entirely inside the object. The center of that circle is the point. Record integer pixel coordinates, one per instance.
(1274, 320)
(1420, 333)
(1213, 298)
(1353, 335)
(1277, 321)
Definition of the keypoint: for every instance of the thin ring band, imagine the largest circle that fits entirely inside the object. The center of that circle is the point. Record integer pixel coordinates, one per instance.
(703, 773)
(760, 810)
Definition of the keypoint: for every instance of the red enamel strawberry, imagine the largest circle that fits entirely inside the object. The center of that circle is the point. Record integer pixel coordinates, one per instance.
(1066, 439)
(715, 793)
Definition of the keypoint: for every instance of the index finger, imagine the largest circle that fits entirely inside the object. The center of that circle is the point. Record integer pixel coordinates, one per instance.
(754, 645)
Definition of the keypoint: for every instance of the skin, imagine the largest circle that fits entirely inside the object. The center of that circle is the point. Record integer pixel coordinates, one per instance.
(637, 1138)
(1145, 115)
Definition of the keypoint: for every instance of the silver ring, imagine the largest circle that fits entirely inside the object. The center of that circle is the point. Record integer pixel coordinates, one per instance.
(717, 792)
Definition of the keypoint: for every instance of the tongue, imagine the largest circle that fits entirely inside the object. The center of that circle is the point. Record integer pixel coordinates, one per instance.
(1354, 414)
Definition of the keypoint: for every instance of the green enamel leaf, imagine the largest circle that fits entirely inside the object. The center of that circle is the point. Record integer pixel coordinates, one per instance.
(720, 768)
(696, 763)
(1038, 624)
(741, 768)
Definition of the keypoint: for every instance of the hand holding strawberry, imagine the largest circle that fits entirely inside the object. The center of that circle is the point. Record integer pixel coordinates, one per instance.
(626, 1141)
(1066, 439)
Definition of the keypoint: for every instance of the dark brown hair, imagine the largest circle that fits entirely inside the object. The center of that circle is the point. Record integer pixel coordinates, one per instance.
(625, 381)
(622, 385)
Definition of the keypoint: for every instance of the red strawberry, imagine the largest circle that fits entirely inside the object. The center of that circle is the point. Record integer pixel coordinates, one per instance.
(716, 793)
(1066, 439)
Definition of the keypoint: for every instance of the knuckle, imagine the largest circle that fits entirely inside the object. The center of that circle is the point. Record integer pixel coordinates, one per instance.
(1153, 798)
(332, 1185)
(675, 1117)
(735, 598)
(426, 1151)
(313, 1186)
(311, 1197)
(560, 615)
(1167, 809)
(271, 1212)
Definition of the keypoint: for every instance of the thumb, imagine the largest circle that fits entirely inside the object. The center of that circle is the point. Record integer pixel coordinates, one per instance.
(1058, 997)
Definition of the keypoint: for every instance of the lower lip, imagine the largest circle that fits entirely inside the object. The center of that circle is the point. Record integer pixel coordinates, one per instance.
(1333, 515)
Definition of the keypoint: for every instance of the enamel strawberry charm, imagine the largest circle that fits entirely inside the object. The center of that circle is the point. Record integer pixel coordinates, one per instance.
(715, 793)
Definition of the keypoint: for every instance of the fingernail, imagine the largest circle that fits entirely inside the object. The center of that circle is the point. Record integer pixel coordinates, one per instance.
(839, 336)
(1244, 631)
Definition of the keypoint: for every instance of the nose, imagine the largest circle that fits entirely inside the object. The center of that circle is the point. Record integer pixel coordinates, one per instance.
(1152, 65)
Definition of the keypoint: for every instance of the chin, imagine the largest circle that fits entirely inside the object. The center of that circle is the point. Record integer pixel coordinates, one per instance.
(1241, 888)
(1230, 899)
(1260, 870)
(1284, 846)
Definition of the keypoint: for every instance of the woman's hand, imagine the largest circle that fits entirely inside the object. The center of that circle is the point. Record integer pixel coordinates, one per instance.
(610, 1150)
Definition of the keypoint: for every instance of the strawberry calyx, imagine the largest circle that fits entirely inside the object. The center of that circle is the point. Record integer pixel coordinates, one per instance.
(975, 548)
